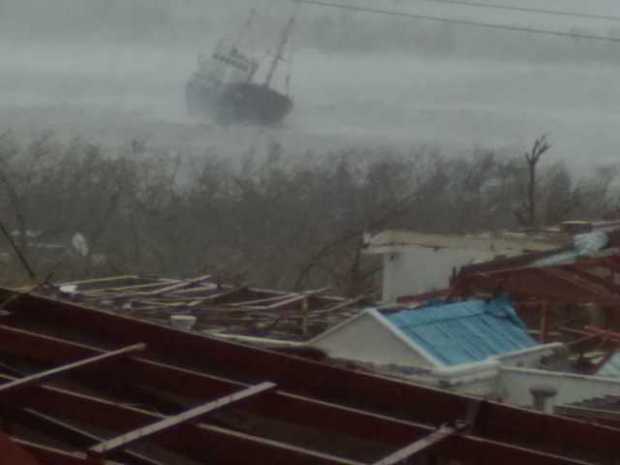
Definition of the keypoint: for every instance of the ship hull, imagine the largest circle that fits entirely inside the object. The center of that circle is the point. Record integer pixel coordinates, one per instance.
(245, 102)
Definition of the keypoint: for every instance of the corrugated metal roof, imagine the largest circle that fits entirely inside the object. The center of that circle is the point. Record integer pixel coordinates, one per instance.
(611, 369)
(465, 332)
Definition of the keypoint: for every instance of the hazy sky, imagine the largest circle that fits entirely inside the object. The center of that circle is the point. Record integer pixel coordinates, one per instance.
(395, 97)
(276, 7)
(36, 18)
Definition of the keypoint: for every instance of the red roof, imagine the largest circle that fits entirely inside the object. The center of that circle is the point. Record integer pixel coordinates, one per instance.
(81, 384)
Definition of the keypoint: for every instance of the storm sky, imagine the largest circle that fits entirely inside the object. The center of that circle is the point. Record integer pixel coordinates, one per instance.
(105, 68)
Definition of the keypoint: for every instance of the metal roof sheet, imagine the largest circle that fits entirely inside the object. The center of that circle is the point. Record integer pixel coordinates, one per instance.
(465, 332)
(611, 368)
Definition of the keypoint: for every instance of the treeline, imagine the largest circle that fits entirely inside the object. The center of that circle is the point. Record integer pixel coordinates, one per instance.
(285, 220)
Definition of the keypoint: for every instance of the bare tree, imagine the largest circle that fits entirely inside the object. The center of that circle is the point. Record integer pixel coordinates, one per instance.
(527, 214)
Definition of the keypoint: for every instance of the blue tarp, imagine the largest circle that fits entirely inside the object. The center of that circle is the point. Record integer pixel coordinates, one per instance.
(584, 245)
(465, 332)
(611, 369)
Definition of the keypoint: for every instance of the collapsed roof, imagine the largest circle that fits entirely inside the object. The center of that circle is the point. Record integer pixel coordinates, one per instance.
(83, 386)
(440, 334)
(217, 307)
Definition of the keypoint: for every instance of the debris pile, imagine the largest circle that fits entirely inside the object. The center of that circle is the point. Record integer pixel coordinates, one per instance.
(216, 307)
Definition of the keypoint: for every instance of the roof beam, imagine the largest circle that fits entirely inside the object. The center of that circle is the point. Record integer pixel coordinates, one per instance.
(54, 372)
(51, 456)
(223, 294)
(573, 279)
(176, 286)
(72, 435)
(124, 440)
(551, 284)
(423, 445)
(475, 448)
(13, 454)
(606, 283)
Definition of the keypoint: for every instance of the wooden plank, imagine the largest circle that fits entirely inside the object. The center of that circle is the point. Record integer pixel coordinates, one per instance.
(209, 289)
(124, 440)
(340, 306)
(213, 298)
(257, 303)
(265, 300)
(126, 291)
(177, 286)
(52, 456)
(13, 454)
(422, 445)
(48, 374)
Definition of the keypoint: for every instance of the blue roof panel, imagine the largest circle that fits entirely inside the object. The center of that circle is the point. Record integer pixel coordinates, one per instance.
(464, 332)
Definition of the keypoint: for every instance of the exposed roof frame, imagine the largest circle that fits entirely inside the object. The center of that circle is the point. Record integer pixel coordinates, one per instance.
(200, 442)
(352, 388)
(76, 437)
(226, 446)
(279, 405)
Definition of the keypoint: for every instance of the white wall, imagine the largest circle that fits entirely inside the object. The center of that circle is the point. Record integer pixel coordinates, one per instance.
(515, 383)
(364, 339)
(512, 385)
(532, 357)
(476, 379)
(482, 379)
(414, 270)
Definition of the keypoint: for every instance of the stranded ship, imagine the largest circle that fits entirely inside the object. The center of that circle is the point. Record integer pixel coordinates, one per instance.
(227, 88)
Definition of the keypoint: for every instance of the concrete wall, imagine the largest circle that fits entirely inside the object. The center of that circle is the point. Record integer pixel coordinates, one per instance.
(514, 385)
(364, 339)
(483, 378)
(533, 357)
(476, 379)
(413, 270)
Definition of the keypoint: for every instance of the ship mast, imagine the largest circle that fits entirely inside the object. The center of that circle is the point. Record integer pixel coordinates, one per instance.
(286, 32)
(246, 27)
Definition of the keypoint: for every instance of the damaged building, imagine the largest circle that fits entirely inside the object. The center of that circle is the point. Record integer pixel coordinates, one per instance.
(87, 386)
(493, 368)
